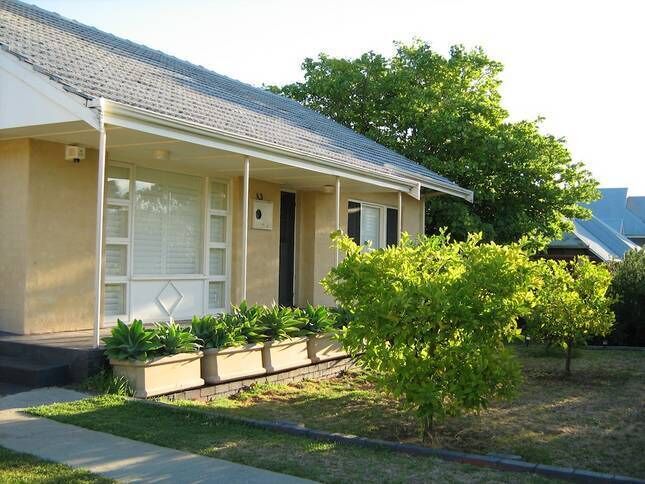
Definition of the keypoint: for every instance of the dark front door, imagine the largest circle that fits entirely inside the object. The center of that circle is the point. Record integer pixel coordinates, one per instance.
(287, 243)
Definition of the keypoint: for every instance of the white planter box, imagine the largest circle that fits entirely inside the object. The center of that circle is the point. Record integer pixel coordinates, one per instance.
(324, 347)
(225, 364)
(161, 375)
(283, 355)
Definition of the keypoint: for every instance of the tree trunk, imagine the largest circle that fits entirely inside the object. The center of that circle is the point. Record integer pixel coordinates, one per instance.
(426, 430)
(567, 367)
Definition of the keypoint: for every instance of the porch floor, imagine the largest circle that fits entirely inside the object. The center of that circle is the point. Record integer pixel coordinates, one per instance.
(77, 340)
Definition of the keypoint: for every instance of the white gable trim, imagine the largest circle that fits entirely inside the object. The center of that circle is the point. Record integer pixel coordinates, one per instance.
(63, 106)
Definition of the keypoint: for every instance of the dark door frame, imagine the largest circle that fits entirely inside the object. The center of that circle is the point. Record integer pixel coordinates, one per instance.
(287, 249)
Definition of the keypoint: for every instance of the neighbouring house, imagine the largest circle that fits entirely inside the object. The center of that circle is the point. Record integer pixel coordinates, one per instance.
(135, 184)
(616, 226)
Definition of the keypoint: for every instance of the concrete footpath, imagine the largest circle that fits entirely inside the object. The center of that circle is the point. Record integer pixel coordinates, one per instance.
(111, 456)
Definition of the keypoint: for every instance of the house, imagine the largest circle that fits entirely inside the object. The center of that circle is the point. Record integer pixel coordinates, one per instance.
(616, 226)
(135, 184)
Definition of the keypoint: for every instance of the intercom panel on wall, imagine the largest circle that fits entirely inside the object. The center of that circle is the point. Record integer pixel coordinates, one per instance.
(262, 215)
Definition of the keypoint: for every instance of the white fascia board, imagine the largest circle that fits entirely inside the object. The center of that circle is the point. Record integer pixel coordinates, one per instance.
(125, 116)
(53, 90)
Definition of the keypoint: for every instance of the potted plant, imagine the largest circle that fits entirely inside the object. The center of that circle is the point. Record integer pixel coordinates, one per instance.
(231, 347)
(155, 361)
(286, 347)
(323, 343)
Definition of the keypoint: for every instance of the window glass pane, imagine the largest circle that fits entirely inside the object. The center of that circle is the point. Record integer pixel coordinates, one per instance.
(116, 221)
(391, 227)
(218, 196)
(167, 223)
(217, 262)
(215, 294)
(118, 182)
(114, 299)
(371, 225)
(116, 257)
(354, 221)
(218, 228)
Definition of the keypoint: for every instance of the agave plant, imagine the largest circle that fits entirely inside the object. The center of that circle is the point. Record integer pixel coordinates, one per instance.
(175, 339)
(219, 331)
(319, 319)
(133, 342)
(249, 321)
(282, 323)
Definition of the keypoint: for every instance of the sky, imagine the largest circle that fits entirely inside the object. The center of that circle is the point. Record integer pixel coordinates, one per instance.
(578, 64)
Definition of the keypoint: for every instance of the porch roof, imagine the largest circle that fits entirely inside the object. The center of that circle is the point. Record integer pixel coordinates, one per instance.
(93, 64)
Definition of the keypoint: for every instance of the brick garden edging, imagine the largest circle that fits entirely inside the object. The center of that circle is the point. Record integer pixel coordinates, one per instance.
(500, 462)
(324, 369)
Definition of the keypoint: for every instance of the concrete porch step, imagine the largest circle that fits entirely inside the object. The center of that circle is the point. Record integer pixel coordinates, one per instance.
(32, 373)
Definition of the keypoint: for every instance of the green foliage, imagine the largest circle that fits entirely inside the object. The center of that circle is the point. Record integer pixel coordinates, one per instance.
(105, 382)
(628, 289)
(319, 319)
(282, 323)
(431, 319)
(446, 113)
(218, 331)
(248, 319)
(175, 339)
(571, 304)
(133, 342)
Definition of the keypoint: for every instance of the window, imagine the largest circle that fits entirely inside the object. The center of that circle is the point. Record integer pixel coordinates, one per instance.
(374, 223)
(117, 240)
(218, 246)
(167, 223)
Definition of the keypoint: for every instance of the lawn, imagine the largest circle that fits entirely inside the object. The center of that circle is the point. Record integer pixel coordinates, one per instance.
(18, 468)
(182, 429)
(595, 419)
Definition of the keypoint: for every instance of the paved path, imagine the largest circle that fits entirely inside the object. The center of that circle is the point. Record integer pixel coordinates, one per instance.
(111, 456)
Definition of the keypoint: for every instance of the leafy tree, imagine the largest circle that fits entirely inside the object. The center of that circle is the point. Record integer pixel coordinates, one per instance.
(446, 113)
(572, 304)
(628, 288)
(431, 318)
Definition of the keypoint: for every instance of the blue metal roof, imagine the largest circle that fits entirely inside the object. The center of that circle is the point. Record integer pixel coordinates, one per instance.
(616, 217)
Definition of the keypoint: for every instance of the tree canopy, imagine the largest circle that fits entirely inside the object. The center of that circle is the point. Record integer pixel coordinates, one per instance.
(446, 113)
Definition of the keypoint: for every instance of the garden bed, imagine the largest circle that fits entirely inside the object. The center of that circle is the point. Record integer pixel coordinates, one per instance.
(594, 419)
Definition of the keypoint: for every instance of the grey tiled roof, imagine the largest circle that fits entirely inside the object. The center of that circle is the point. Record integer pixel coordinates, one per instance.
(95, 64)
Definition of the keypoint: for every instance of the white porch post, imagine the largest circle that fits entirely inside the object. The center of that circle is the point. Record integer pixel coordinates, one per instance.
(399, 214)
(245, 225)
(337, 212)
(98, 278)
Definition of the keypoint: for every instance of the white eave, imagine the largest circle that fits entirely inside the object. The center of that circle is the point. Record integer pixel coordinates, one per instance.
(119, 114)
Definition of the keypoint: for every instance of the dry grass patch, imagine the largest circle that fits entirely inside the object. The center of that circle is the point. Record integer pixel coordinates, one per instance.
(595, 419)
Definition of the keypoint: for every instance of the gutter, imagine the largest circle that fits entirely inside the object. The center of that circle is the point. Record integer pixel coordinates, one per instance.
(413, 185)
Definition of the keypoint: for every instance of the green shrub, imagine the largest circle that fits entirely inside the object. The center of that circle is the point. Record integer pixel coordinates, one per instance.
(628, 289)
(217, 331)
(431, 319)
(133, 342)
(174, 339)
(282, 323)
(571, 304)
(319, 319)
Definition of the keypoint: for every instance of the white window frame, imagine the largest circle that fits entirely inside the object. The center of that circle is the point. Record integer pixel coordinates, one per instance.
(122, 279)
(382, 219)
(206, 245)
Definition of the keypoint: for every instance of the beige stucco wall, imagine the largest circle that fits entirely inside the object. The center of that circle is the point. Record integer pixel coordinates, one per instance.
(48, 214)
(14, 179)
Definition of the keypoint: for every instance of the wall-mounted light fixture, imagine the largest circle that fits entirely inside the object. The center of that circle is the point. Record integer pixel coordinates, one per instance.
(328, 189)
(74, 153)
